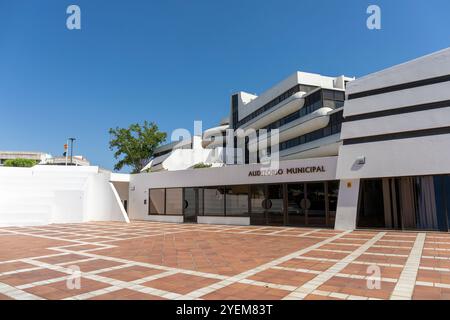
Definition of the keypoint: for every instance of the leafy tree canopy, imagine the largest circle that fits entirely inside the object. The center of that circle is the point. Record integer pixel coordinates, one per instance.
(134, 146)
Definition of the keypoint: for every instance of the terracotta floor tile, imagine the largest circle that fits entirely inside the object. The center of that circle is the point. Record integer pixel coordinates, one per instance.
(433, 276)
(63, 259)
(59, 290)
(363, 270)
(98, 264)
(180, 283)
(130, 273)
(126, 294)
(30, 277)
(325, 254)
(18, 247)
(431, 293)
(284, 277)
(4, 297)
(13, 266)
(239, 291)
(357, 287)
(314, 265)
(83, 247)
(382, 259)
(317, 297)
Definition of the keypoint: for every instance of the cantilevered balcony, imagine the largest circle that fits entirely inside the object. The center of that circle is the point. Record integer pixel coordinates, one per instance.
(314, 121)
(284, 108)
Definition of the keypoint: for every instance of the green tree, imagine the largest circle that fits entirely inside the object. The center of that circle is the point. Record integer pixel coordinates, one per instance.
(26, 163)
(134, 146)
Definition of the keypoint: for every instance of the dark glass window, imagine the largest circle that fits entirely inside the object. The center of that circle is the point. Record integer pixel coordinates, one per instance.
(214, 201)
(236, 201)
(157, 201)
(174, 201)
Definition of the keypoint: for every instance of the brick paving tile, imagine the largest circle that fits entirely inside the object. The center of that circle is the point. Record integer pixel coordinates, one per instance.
(83, 247)
(317, 297)
(358, 235)
(357, 287)
(396, 244)
(180, 283)
(432, 244)
(362, 270)
(434, 276)
(98, 264)
(126, 294)
(30, 277)
(430, 293)
(18, 247)
(340, 247)
(4, 297)
(59, 290)
(403, 251)
(436, 253)
(325, 254)
(349, 241)
(435, 263)
(284, 277)
(63, 258)
(399, 238)
(238, 291)
(14, 266)
(130, 273)
(382, 259)
(314, 265)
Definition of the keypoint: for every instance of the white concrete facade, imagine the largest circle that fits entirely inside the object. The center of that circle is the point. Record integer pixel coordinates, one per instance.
(398, 125)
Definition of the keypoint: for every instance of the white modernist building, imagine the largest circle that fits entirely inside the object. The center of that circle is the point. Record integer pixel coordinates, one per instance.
(311, 151)
(379, 160)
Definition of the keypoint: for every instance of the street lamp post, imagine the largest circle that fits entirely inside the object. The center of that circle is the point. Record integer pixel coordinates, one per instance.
(71, 149)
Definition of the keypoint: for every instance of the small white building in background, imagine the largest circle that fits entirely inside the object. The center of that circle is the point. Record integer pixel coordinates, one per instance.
(43, 158)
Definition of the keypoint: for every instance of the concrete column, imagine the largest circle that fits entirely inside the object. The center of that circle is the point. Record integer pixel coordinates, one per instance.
(347, 207)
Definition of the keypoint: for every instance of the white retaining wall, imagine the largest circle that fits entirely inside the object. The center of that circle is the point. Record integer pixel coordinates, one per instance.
(57, 194)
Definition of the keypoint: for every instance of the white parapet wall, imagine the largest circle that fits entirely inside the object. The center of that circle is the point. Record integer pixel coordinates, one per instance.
(58, 194)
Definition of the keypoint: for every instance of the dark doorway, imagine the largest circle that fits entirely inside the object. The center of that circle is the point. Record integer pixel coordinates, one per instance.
(193, 204)
(274, 205)
(404, 203)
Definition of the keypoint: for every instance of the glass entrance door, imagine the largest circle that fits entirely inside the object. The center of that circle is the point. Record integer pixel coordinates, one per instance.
(295, 208)
(193, 204)
(274, 204)
(257, 202)
(314, 204)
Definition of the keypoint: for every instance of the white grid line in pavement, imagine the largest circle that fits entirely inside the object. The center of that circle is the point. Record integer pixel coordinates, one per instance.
(251, 272)
(406, 283)
(16, 294)
(315, 283)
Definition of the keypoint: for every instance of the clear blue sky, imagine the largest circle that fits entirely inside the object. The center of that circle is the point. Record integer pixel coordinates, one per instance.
(174, 62)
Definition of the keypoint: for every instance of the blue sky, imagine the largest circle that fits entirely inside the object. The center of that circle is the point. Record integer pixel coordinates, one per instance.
(174, 62)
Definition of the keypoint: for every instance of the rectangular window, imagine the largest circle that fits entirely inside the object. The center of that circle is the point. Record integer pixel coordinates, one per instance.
(174, 201)
(237, 201)
(157, 201)
(214, 201)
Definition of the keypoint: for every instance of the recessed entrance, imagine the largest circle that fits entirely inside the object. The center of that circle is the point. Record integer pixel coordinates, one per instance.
(290, 204)
(405, 203)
